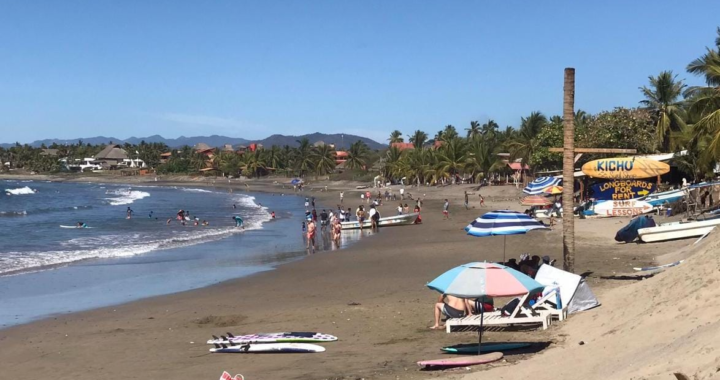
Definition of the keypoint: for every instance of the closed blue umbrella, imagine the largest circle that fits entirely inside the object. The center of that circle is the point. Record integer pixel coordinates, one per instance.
(541, 183)
(503, 222)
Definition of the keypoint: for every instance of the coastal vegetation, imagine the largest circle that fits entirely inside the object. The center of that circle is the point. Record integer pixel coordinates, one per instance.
(671, 117)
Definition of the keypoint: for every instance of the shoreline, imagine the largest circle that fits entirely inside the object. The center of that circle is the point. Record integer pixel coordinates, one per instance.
(371, 295)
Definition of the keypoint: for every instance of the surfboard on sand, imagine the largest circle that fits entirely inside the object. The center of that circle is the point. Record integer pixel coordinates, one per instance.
(280, 337)
(268, 348)
(462, 361)
(486, 347)
(643, 269)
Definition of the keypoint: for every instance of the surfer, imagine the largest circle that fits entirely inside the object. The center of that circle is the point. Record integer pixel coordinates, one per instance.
(81, 225)
(238, 221)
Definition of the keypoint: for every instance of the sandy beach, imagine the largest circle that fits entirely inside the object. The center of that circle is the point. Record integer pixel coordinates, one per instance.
(371, 295)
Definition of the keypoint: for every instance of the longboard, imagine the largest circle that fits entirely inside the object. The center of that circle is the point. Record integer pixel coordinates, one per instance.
(280, 337)
(487, 347)
(461, 361)
(268, 348)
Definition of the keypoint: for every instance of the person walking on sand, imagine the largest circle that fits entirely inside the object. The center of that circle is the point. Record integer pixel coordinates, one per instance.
(446, 210)
(482, 200)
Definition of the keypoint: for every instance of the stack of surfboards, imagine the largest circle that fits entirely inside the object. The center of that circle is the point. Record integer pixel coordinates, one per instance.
(281, 342)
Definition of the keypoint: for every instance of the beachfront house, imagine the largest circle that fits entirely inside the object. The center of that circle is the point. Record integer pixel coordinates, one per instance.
(111, 156)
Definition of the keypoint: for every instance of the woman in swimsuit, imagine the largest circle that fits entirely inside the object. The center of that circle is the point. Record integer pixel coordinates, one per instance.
(311, 235)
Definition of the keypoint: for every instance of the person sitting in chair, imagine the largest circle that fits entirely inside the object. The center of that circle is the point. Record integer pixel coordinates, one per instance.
(451, 306)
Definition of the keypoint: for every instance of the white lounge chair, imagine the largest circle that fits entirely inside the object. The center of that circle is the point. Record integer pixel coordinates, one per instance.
(548, 303)
(522, 315)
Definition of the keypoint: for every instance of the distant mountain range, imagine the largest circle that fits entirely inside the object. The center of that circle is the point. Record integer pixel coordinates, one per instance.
(340, 140)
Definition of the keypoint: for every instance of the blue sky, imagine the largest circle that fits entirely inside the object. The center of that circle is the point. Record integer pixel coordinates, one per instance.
(249, 69)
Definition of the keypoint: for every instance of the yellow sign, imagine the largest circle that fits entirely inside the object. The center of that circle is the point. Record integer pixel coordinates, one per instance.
(625, 168)
(622, 189)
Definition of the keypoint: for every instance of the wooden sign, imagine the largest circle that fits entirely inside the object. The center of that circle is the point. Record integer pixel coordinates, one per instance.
(625, 168)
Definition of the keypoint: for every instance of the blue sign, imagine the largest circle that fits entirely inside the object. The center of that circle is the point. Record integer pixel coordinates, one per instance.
(619, 190)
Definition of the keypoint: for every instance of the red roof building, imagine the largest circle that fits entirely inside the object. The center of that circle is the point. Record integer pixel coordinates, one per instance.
(403, 145)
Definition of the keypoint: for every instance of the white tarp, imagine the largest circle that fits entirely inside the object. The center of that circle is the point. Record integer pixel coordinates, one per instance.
(575, 294)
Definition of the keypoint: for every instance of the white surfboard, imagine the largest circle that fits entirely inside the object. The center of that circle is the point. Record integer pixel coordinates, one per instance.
(630, 207)
(62, 226)
(279, 337)
(269, 348)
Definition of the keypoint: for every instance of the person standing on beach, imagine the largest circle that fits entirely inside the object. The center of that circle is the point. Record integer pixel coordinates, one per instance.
(375, 219)
(367, 197)
(362, 197)
(342, 196)
(360, 215)
(467, 200)
(446, 210)
(311, 236)
(400, 209)
(402, 193)
(482, 200)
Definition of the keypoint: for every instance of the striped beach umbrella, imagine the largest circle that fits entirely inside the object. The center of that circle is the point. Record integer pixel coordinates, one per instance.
(476, 280)
(539, 184)
(535, 200)
(503, 222)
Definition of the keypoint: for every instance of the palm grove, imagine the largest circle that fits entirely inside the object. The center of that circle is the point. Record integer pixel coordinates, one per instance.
(671, 117)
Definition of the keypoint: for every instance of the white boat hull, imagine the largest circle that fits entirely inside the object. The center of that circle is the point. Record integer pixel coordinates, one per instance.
(396, 220)
(678, 230)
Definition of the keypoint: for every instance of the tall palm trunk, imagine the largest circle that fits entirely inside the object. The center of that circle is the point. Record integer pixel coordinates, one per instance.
(568, 170)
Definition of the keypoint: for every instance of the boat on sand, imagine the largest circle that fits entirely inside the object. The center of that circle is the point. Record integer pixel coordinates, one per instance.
(395, 220)
(677, 230)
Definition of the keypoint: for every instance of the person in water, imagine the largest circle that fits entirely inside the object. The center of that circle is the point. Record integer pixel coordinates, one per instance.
(272, 214)
(129, 213)
(238, 221)
(81, 225)
(150, 215)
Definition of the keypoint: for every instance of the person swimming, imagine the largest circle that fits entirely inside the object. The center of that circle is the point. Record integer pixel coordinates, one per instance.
(238, 221)
(81, 225)
(150, 215)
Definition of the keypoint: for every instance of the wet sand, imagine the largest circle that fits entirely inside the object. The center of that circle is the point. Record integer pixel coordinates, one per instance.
(371, 295)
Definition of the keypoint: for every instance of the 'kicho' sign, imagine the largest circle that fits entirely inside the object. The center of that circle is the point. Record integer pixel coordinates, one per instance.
(625, 168)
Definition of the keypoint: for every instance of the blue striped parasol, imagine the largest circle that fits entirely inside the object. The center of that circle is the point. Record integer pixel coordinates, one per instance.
(503, 222)
(541, 183)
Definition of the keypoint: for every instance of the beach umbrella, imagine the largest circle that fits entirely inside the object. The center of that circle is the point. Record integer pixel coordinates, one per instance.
(535, 200)
(503, 222)
(478, 280)
(539, 184)
(295, 181)
(554, 190)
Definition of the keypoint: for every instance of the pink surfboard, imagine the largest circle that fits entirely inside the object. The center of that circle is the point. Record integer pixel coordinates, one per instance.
(462, 361)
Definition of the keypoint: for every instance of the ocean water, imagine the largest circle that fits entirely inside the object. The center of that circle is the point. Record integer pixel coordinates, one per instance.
(46, 269)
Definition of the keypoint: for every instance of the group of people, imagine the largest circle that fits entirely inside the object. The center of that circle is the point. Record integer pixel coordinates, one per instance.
(529, 265)
(328, 221)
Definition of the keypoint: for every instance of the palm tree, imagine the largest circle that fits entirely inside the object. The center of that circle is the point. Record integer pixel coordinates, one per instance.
(482, 158)
(396, 137)
(490, 129)
(357, 155)
(439, 136)
(525, 143)
(254, 163)
(324, 159)
(661, 98)
(418, 139)
(705, 100)
(451, 157)
(303, 159)
(449, 133)
(392, 167)
(474, 130)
